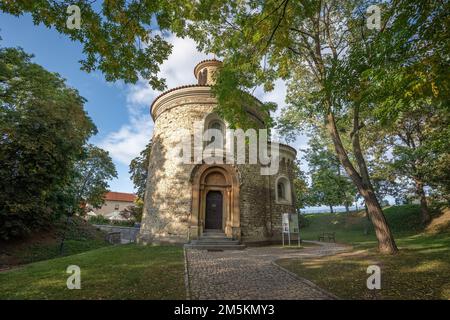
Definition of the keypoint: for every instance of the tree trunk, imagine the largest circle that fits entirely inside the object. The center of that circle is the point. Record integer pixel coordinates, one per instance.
(426, 217)
(366, 225)
(331, 209)
(346, 208)
(386, 242)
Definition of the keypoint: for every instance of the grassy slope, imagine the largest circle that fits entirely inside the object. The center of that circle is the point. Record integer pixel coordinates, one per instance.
(80, 237)
(114, 272)
(403, 220)
(420, 271)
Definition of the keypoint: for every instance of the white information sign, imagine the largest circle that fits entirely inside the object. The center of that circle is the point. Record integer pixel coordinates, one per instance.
(289, 224)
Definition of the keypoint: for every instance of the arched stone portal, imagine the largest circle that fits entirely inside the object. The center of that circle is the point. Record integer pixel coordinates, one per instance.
(217, 178)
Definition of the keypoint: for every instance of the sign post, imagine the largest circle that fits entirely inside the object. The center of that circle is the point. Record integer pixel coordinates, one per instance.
(290, 226)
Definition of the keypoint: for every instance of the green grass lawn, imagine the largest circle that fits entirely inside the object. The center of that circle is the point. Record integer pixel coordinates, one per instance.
(39, 252)
(356, 229)
(421, 270)
(113, 272)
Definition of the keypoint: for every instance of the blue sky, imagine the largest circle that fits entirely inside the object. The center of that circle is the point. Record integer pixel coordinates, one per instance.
(57, 53)
(120, 111)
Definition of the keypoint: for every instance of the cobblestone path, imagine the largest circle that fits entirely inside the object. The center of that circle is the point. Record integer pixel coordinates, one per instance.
(252, 274)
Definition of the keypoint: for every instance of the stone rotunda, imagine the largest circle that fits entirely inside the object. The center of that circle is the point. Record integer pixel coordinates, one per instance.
(186, 201)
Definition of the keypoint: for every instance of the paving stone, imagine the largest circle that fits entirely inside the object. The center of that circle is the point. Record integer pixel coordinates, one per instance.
(251, 274)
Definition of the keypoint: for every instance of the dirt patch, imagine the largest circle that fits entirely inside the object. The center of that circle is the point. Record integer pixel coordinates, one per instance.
(358, 214)
(440, 224)
(10, 249)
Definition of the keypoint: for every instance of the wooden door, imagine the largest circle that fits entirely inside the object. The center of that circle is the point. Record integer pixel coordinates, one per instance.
(214, 205)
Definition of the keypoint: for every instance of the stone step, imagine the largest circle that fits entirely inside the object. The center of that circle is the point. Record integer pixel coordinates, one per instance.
(214, 241)
(213, 230)
(215, 247)
(222, 237)
(214, 234)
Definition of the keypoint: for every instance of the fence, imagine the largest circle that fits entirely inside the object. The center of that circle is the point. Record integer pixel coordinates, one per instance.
(327, 210)
(127, 234)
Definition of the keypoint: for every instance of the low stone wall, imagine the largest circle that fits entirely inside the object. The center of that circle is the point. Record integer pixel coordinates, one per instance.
(128, 234)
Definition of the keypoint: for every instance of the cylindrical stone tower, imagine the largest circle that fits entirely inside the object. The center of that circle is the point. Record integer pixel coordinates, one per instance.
(182, 200)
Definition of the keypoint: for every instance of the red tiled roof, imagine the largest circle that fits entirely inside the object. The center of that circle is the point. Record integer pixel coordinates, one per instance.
(120, 196)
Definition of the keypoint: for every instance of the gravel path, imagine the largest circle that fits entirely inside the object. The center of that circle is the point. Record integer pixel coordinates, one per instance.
(252, 273)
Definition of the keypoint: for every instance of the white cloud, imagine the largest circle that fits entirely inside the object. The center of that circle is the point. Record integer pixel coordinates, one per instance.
(277, 95)
(140, 93)
(126, 143)
(129, 140)
(179, 68)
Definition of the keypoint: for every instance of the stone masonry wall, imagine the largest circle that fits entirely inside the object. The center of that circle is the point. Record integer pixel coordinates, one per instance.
(253, 199)
(278, 209)
(169, 192)
(168, 200)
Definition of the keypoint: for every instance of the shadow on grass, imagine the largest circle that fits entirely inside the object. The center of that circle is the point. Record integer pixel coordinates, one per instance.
(420, 271)
(116, 272)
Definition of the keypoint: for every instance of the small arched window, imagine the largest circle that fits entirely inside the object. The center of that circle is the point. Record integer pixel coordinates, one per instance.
(203, 77)
(216, 125)
(217, 135)
(214, 139)
(283, 191)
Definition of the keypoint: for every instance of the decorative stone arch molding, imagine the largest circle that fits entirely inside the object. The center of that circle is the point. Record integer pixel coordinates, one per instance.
(217, 130)
(218, 177)
(211, 118)
(284, 182)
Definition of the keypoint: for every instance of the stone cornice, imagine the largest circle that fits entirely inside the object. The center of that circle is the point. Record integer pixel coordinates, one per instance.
(191, 94)
(288, 147)
(288, 150)
(199, 94)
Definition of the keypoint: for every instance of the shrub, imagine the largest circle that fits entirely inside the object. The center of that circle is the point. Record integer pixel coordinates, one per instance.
(43, 128)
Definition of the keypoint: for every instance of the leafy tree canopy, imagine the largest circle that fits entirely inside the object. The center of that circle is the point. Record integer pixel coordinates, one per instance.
(139, 167)
(120, 38)
(91, 175)
(43, 128)
(329, 184)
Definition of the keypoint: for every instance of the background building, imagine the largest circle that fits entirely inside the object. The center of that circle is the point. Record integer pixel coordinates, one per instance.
(115, 202)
